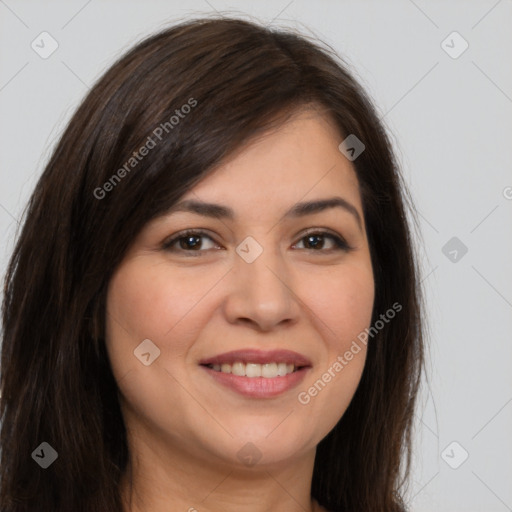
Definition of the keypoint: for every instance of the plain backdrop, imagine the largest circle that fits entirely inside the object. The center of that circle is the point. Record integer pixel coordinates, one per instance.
(448, 109)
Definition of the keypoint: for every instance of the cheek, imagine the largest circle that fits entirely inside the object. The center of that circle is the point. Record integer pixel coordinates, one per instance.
(148, 299)
(343, 301)
(151, 301)
(342, 308)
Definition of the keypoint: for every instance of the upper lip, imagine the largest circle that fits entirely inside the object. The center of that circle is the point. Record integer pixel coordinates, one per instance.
(259, 356)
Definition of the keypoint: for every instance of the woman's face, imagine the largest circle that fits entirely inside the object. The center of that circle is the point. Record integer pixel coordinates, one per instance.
(277, 283)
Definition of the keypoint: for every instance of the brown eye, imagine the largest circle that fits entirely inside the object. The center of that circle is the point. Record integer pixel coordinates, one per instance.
(193, 241)
(316, 241)
(188, 241)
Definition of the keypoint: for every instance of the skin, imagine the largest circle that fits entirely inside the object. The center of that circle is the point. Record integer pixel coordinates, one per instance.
(185, 429)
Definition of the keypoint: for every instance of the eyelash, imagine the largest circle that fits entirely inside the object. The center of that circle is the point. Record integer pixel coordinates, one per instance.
(340, 243)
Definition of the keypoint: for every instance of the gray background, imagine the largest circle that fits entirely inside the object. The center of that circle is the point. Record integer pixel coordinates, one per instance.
(451, 123)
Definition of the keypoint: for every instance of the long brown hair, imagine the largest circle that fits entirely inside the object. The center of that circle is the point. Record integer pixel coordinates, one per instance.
(238, 79)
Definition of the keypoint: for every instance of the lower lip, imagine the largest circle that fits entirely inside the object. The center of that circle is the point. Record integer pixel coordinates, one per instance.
(258, 387)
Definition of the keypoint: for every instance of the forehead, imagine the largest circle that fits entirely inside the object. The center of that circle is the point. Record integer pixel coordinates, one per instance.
(299, 160)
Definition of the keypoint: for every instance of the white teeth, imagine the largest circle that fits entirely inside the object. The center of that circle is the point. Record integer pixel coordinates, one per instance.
(238, 369)
(253, 370)
(267, 370)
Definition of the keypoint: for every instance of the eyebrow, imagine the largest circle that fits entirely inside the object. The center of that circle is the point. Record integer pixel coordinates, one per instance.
(303, 209)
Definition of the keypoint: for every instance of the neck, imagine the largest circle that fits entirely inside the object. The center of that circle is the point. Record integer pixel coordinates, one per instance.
(165, 475)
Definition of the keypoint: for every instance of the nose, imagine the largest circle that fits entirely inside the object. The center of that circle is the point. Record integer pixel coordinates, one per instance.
(261, 293)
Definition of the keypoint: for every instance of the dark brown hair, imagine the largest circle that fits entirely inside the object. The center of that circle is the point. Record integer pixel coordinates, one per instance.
(56, 381)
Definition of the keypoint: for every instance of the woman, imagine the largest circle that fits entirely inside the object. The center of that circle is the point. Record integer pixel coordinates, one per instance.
(213, 303)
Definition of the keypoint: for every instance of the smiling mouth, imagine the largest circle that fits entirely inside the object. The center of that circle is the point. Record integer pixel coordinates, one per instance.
(253, 370)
